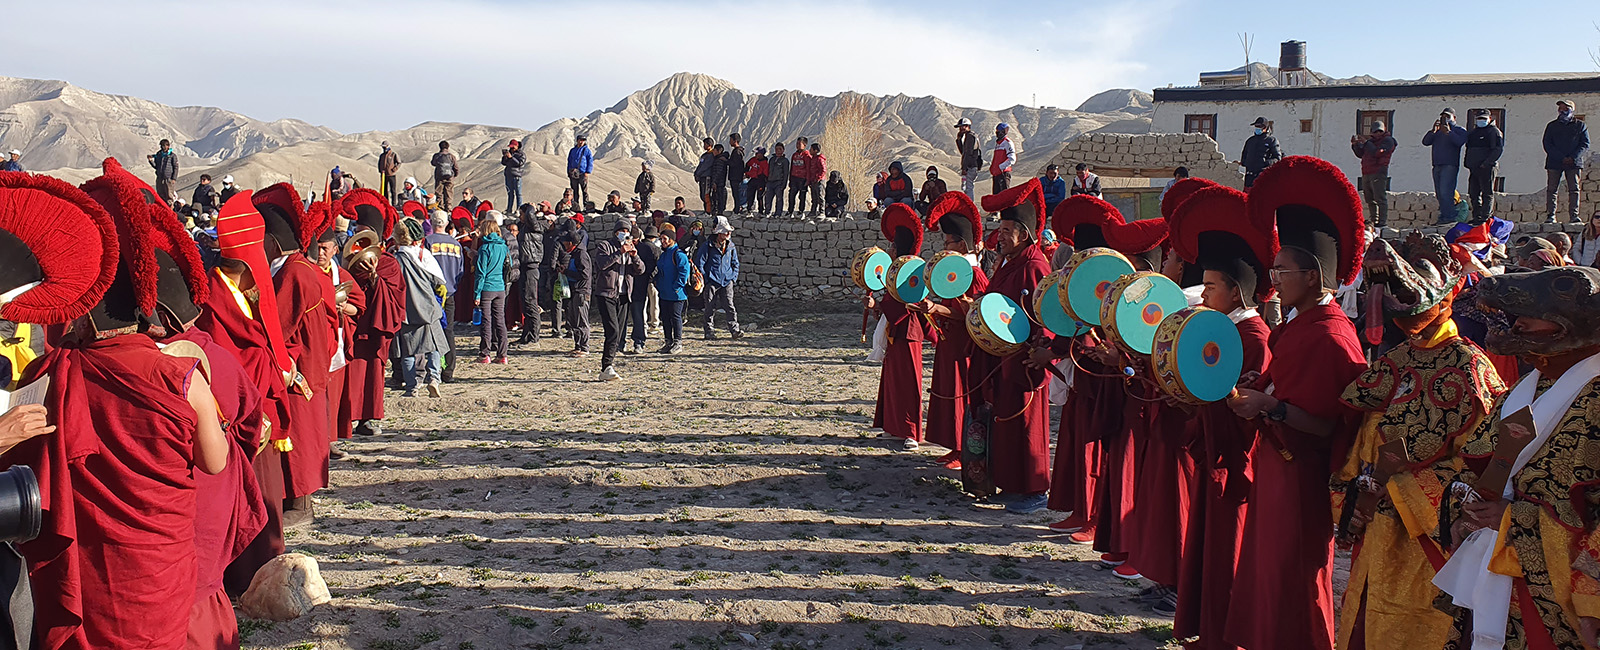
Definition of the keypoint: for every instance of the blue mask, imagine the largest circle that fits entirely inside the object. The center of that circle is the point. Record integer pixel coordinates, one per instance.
(1483, 123)
(1260, 130)
(1565, 115)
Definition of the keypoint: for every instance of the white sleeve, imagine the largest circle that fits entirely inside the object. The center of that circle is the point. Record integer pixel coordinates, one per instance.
(1011, 154)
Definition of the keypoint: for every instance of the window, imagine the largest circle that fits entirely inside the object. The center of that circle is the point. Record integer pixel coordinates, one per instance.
(1305, 126)
(1206, 124)
(1496, 115)
(1364, 120)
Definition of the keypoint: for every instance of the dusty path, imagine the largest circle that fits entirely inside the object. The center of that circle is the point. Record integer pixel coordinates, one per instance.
(731, 496)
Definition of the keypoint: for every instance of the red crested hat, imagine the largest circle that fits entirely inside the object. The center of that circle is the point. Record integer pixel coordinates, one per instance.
(240, 233)
(1315, 209)
(1085, 221)
(133, 197)
(901, 225)
(483, 206)
(1180, 191)
(461, 217)
(963, 220)
(1209, 229)
(414, 210)
(1137, 237)
(368, 208)
(285, 217)
(53, 234)
(128, 200)
(1013, 205)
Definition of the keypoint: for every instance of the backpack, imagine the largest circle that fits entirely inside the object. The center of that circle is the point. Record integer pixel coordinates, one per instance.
(697, 282)
(441, 166)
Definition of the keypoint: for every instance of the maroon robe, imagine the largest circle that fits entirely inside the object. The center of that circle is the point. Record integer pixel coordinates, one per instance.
(114, 563)
(1220, 444)
(375, 329)
(229, 511)
(1163, 486)
(1094, 407)
(1019, 441)
(1113, 493)
(340, 407)
(899, 408)
(1283, 590)
(305, 310)
(953, 388)
(246, 338)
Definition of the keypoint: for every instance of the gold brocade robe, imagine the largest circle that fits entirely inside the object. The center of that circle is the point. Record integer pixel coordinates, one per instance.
(1431, 397)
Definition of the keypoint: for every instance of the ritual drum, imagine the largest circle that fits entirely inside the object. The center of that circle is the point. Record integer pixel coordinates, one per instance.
(1134, 307)
(1085, 280)
(948, 275)
(869, 267)
(998, 325)
(1197, 356)
(904, 279)
(1047, 304)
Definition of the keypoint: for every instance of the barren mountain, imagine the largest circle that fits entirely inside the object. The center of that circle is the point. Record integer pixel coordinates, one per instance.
(1119, 100)
(56, 124)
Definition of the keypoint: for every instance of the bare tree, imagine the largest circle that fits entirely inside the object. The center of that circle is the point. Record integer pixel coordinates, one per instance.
(1594, 54)
(854, 145)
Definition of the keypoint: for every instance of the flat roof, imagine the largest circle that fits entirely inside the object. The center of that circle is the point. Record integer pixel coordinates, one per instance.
(1583, 84)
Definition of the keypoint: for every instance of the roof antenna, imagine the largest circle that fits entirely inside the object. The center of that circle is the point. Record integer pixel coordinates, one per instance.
(1246, 41)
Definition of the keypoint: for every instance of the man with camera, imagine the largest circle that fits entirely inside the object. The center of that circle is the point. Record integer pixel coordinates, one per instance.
(1446, 139)
(616, 263)
(515, 162)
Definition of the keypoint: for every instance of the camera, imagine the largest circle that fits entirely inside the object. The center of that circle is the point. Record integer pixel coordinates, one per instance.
(20, 513)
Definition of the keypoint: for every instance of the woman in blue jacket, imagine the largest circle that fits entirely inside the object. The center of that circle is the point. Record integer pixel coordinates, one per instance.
(672, 281)
(489, 291)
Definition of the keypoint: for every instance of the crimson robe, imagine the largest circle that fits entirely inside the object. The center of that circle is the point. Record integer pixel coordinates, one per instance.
(1019, 441)
(1113, 493)
(899, 408)
(229, 511)
(306, 313)
(1220, 444)
(953, 387)
(340, 407)
(246, 339)
(1163, 487)
(1283, 590)
(375, 329)
(114, 563)
(1094, 407)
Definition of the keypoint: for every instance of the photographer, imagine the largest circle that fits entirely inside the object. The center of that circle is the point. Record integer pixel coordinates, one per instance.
(616, 262)
(516, 162)
(1374, 152)
(1446, 140)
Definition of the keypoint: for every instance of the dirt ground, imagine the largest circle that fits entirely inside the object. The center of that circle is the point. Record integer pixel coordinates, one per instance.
(731, 496)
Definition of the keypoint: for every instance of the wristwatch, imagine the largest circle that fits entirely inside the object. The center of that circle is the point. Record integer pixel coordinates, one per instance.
(1278, 413)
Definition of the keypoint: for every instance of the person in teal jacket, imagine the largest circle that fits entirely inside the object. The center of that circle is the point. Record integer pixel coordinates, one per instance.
(672, 280)
(489, 292)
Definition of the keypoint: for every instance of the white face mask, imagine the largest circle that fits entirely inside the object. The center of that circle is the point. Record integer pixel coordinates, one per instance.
(1483, 123)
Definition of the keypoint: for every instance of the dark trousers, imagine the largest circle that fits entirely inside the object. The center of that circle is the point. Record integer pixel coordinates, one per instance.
(772, 203)
(719, 196)
(1553, 182)
(644, 201)
(672, 321)
(1002, 181)
(164, 189)
(1250, 179)
(580, 187)
(448, 369)
(1480, 190)
(816, 197)
(492, 330)
(532, 288)
(636, 317)
(1375, 192)
(441, 191)
(578, 320)
(612, 313)
(797, 194)
(389, 189)
(720, 298)
(756, 193)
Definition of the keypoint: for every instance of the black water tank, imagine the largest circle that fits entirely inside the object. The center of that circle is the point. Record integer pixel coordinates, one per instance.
(1292, 55)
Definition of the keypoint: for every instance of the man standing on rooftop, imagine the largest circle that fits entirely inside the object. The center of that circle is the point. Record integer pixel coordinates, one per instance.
(1566, 145)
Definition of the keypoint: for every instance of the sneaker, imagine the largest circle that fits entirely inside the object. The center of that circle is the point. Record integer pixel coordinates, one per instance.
(578, 354)
(1084, 536)
(1127, 572)
(1028, 505)
(631, 350)
(1151, 595)
(366, 428)
(665, 349)
(433, 389)
(710, 335)
(483, 360)
(502, 361)
(335, 453)
(1550, 218)
(910, 444)
(1167, 606)
(676, 348)
(609, 374)
(1069, 525)
(375, 427)
(953, 464)
(1113, 559)
(410, 392)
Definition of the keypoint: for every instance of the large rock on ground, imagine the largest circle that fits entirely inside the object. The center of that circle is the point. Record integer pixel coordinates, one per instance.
(284, 589)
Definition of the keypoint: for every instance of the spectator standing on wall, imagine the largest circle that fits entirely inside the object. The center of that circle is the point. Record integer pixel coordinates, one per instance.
(837, 195)
(1566, 144)
(1374, 152)
(736, 170)
(799, 168)
(515, 162)
(166, 165)
(971, 156)
(445, 169)
(755, 174)
(1446, 139)
(1485, 143)
(777, 181)
(818, 167)
(1085, 181)
(388, 168)
(717, 180)
(1004, 157)
(645, 185)
(1260, 151)
(1054, 186)
(580, 163)
(702, 172)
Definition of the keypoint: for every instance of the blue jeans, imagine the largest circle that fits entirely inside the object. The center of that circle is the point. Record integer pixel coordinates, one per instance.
(1444, 188)
(741, 195)
(672, 321)
(431, 372)
(513, 195)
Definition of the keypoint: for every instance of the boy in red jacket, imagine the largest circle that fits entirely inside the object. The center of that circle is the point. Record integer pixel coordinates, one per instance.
(819, 172)
(756, 173)
(799, 177)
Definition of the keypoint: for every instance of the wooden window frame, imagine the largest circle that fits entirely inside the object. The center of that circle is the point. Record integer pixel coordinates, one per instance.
(1192, 118)
(1307, 126)
(1365, 118)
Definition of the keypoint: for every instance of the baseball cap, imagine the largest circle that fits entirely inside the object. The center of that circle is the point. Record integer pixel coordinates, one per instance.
(228, 179)
(963, 122)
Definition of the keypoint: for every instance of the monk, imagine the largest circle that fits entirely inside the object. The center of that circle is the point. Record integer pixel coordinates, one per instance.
(899, 408)
(349, 300)
(953, 385)
(379, 319)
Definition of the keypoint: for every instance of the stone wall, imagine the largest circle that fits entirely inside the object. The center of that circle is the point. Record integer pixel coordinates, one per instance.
(1420, 209)
(1152, 155)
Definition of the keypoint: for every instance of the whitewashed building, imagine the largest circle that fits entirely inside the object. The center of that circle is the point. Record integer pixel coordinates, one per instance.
(1318, 120)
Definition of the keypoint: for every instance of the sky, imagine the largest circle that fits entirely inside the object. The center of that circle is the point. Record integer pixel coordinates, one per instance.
(356, 65)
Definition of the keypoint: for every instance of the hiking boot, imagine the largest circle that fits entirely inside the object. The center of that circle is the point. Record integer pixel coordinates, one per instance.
(609, 374)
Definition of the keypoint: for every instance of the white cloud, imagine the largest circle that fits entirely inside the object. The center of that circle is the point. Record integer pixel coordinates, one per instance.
(367, 65)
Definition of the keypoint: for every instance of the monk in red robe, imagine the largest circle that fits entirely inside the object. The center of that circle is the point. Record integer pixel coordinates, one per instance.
(348, 302)
(379, 320)
(1019, 440)
(1208, 233)
(1283, 591)
(899, 408)
(953, 387)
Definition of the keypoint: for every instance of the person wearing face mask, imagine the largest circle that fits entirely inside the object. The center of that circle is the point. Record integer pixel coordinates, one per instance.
(1260, 151)
(1446, 139)
(1375, 152)
(1484, 145)
(1566, 145)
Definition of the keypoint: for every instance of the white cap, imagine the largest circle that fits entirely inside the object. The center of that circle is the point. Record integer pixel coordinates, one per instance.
(14, 152)
(228, 179)
(723, 226)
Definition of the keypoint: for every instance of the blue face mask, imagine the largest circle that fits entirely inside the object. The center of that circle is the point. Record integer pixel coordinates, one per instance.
(1260, 130)
(1565, 115)
(1482, 123)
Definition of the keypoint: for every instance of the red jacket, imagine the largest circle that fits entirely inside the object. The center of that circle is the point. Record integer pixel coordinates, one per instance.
(819, 169)
(800, 165)
(757, 168)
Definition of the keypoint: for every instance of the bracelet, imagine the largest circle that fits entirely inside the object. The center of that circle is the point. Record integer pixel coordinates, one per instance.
(1279, 413)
